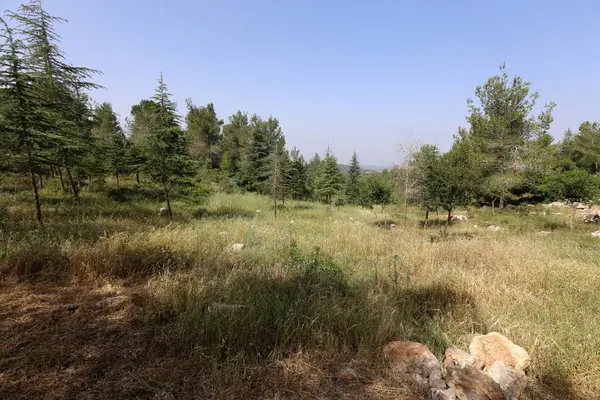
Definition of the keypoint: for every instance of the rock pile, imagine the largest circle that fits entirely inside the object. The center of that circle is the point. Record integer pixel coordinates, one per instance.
(493, 369)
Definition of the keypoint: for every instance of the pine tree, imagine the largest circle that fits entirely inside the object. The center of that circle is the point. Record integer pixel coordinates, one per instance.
(329, 179)
(58, 85)
(297, 176)
(234, 145)
(22, 123)
(352, 181)
(264, 136)
(166, 146)
(111, 141)
(140, 127)
(311, 174)
(204, 134)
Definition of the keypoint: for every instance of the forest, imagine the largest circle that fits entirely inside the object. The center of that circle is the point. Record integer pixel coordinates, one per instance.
(159, 256)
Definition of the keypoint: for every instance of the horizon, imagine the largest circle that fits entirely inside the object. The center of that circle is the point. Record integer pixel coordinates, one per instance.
(353, 76)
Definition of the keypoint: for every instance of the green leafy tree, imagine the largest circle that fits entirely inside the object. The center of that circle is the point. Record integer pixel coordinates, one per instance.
(329, 180)
(503, 126)
(166, 147)
(375, 189)
(204, 134)
(352, 181)
(583, 147)
(312, 168)
(576, 185)
(424, 164)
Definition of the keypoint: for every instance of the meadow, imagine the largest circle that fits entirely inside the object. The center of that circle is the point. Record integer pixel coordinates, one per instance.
(112, 300)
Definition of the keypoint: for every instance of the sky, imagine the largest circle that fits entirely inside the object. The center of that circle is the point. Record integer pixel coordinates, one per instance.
(358, 76)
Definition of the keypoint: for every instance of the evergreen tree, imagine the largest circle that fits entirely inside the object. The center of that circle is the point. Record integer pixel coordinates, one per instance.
(311, 174)
(234, 145)
(352, 181)
(329, 179)
(204, 134)
(111, 141)
(140, 127)
(297, 176)
(424, 164)
(23, 126)
(166, 146)
(264, 136)
(58, 85)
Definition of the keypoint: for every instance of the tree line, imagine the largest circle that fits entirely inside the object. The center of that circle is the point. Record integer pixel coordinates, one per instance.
(50, 128)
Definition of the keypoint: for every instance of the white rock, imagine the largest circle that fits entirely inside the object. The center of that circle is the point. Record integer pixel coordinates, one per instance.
(223, 233)
(596, 234)
(163, 211)
(495, 228)
(238, 246)
(511, 381)
(392, 226)
(496, 347)
(258, 211)
(459, 218)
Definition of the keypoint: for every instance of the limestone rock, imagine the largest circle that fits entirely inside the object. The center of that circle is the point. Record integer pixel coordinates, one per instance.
(596, 234)
(461, 358)
(494, 346)
(436, 381)
(447, 394)
(472, 384)
(459, 218)
(238, 246)
(348, 375)
(495, 228)
(511, 381)
(592, 218)
(544, 233)
(411, 357)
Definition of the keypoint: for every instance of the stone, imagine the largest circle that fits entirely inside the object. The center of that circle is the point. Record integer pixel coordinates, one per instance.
(494, 346)
(163, 211)
(461, 358)
(459, 218)
(543, 233)
(447, 394)
(592, 218)
(238, 246)
(392, 226)
(113, 301)
(511, 381)
(495, 228)
(471, 383)
(72, 307)
(596, 234)
(258, 211)
(556, 204)
(411, 357)
(436, 381)
(223, 233)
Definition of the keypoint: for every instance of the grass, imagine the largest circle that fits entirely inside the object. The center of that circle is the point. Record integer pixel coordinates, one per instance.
(111, 300)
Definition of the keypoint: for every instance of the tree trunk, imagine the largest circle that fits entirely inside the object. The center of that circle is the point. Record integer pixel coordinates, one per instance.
(117, 175)
(137, 177)
(36, 195)
(448, 221)
(51, 172)
(405, 206)
(74, 189)
(62, 182)
(169, 211)
(41, 182)
(501, 206)
(275, 206)
(427, 216)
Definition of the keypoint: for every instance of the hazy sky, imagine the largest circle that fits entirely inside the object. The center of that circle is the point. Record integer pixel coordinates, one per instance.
(352, 74)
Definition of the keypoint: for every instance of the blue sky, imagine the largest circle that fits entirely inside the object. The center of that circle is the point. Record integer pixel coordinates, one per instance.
(351, 74)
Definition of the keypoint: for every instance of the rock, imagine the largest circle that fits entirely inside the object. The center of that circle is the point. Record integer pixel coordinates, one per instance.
(238, 246)
(476, 226)
(511, 381)
(392, 226)
(556, 204)
(459, 218)
(113, 301)
(347, 374)
(542, 233)
(592, 218)
(472, 384)
(258, 211)
(163, 211)
(72, 307)
(495, 228)
(579, 206)
(596, 234)
(447, 394)
(223, 233)
(436, 381)
(292, 221)
(461, 358)
(411, 357)
(496, 347)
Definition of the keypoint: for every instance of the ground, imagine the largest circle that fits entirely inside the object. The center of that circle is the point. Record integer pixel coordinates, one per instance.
(111, 300)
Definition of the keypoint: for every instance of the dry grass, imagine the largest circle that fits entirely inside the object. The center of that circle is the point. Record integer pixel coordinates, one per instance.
(194, 319)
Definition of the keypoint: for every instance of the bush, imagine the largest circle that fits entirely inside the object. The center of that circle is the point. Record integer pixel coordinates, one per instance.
(572, 185)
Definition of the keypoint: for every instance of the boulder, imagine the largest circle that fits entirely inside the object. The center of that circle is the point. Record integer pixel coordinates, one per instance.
(461, 358)
(592, 218)
(411, 357)
(459, 218)
(471, 383)
(436, 381)
(511, 381)
(238, 246)
(496, 347)
(447, 394)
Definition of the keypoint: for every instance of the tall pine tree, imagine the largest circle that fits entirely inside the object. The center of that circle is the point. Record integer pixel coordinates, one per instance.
(352, 181)
(329, 180)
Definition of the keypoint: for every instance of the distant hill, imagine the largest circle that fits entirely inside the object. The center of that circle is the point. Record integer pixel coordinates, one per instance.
(363, 168)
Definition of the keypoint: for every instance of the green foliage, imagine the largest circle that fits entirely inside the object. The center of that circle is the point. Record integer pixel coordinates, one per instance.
(329, 180)
(297, 176)
(375, 189)
(572, 185)
(352, 181)
(204, 134)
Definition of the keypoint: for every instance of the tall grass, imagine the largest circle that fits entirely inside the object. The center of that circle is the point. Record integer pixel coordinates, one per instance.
(332, 281)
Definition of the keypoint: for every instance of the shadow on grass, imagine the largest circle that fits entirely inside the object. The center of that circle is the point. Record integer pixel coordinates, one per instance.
(223, 212)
